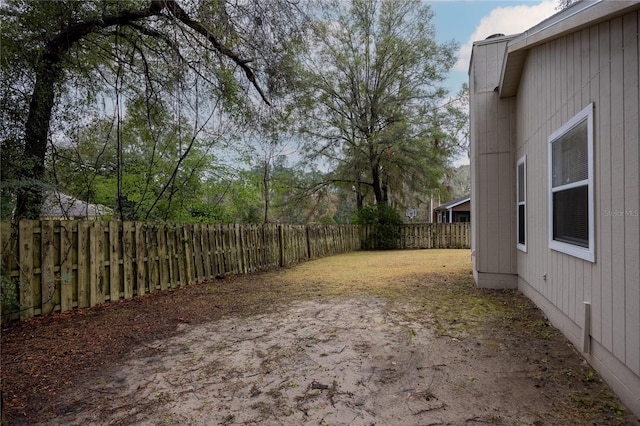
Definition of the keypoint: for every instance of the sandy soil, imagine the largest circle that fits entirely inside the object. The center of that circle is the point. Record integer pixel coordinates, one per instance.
(334, 362)
(334, 357)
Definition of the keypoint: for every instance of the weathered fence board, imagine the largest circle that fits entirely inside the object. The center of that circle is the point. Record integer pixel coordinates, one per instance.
(423, 236)
(128, 259)
(83, 263)
(140, 259)
(65, 275)
(114, 261)
(61, 265)
(47, 274)
(27, 279)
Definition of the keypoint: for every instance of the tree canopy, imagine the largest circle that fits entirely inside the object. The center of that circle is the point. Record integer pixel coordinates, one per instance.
(379, 116)
(57, 54)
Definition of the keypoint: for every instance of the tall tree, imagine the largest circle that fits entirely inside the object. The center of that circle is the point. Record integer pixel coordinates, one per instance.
(267, 141)
(377, 112)
(50, 46)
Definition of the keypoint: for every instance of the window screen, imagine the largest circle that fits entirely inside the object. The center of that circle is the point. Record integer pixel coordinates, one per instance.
(571, 212)
(521, 203)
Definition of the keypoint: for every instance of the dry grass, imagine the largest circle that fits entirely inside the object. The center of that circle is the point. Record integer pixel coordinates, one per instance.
(390, 274)
(425, 283)
(375, 271)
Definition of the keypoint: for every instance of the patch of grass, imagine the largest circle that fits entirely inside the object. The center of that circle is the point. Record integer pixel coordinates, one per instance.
(412, 333)
(589, 376)
(595, 406)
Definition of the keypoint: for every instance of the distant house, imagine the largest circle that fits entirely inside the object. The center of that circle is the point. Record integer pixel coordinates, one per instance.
(59, 206)
(458, 210)
(555, 196)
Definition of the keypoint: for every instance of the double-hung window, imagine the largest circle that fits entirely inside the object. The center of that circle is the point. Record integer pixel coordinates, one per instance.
(571, 209)
(521, 185)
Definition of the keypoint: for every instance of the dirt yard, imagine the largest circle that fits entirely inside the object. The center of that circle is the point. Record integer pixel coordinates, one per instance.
(367, 338)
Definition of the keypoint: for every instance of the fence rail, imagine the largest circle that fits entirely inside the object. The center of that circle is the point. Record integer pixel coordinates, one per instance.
(50, 266)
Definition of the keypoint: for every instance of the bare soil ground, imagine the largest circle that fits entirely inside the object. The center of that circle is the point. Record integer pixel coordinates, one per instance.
(367, 338)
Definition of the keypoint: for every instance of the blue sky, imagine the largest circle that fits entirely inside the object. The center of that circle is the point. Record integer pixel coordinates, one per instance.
(466, 21)
(469, 20)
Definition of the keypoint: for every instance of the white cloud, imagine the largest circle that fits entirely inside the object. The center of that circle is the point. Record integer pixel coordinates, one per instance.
(505, 20)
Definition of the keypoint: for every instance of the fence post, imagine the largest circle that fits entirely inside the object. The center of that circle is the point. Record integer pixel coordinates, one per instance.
(47, 276)
(281, 245)
(141, 259)
(84, 263)
(66, 265)
(97, 284)
(152, 242)
(187, 254)
(308, 240)
(26, 269)
(127, 258)
(114, 260)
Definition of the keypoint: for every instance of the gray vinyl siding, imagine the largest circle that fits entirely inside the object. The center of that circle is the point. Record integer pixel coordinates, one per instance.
(552, 73)
(493, 133)
(600, 65)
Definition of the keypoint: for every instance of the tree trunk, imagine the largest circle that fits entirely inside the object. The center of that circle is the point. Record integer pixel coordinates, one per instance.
(265, 182)
(359, 197)
(30, 194)
(377, 183)
(47, 74)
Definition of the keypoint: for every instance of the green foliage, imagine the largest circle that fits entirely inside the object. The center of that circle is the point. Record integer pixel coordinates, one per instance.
(68, 64)
(327, 220)
(376, 111)
(239, 195)
(155, 174)
(386, 222)
(202, 211)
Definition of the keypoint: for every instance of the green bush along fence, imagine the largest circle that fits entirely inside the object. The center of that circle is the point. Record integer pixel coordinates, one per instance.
(50, 266)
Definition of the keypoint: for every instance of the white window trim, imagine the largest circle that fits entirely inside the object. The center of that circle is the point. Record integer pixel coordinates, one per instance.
(585, 253)
(523, 161)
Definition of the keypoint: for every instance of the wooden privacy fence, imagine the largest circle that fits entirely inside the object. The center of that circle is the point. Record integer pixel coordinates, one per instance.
(52, 266)
(436, 235)
(423, 236)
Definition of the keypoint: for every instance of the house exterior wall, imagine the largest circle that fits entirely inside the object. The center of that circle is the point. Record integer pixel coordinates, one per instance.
(492, 171)
(594, 64)
(598, 65)
(464, 207)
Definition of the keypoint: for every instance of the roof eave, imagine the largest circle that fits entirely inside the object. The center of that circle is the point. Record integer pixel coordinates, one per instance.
(453, 203)
(580, 15)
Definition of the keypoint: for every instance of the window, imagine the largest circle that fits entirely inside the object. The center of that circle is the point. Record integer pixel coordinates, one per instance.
(521, 189)
(571, 213)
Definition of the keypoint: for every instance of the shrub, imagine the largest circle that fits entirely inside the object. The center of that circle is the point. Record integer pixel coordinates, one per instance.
(386, 223)
(327, 220)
